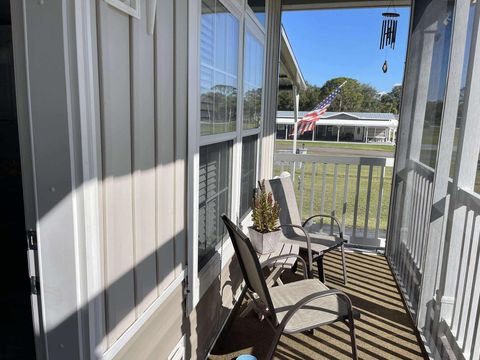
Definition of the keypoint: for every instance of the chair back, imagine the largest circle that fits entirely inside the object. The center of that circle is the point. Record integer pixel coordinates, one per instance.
(283, 192)
(249, 264)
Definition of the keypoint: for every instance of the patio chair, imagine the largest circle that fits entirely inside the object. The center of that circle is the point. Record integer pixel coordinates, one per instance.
(294, 307)
(316, 244)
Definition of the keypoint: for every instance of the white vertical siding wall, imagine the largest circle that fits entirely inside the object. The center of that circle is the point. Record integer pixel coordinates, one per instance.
(114, 52)
(142, 50)
(140, 146)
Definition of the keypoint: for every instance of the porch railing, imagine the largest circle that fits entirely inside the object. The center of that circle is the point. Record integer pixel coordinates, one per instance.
(406, 253)
(354, 189)
(460, 331)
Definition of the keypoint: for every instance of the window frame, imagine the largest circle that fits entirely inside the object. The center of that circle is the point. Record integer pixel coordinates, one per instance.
(199, 280)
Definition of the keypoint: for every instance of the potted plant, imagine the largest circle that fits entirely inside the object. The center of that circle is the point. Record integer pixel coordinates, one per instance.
(265, 232)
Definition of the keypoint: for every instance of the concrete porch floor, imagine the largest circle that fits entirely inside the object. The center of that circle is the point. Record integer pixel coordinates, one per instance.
(385, 330)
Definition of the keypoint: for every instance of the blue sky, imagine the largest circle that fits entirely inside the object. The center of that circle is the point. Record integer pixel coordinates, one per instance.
(333, 43)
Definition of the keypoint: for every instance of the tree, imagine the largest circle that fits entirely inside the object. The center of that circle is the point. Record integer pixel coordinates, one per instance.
(285, 100)
(350, 98)
(354, 97)
(390, 102)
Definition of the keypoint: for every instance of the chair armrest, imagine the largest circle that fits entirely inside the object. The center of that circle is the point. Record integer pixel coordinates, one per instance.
(309, 245)
(300, 304)
(327, 216)
(286, 256)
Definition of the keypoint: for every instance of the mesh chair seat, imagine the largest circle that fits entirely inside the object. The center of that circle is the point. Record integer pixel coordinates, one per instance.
(320, 311)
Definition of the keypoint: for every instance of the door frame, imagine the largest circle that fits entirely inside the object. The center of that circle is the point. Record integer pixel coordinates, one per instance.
(26, 160)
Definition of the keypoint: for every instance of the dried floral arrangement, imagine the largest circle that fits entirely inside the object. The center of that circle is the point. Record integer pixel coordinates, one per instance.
(265, 211)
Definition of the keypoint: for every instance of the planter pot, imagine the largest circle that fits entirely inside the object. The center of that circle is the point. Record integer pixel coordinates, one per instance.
(264, 243)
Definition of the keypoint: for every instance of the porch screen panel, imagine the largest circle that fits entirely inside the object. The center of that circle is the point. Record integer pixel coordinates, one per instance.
(249, 173)
(252, 81)
(419, 127)
(437, 76)
(214, 197)
(219, 38)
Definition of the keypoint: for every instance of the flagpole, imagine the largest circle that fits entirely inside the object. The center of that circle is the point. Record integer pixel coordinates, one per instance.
(296, 100)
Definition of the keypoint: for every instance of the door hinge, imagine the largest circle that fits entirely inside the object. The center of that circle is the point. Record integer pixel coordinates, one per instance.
(34, 285)
(186, 288)
(32, 239)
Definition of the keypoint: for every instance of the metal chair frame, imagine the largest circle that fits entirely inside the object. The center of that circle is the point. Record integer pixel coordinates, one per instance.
(269, 310)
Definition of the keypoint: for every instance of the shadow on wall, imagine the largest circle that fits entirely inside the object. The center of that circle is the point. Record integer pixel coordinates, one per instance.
(208, 317)
(215, 307)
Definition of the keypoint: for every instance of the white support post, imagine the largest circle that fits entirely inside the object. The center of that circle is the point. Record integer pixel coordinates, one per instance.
(446, 142)
(272, 61)
(338, 133)
(296, 99)
(464, 177)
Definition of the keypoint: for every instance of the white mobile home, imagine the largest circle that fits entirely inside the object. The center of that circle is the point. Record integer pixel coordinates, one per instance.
(343, 126)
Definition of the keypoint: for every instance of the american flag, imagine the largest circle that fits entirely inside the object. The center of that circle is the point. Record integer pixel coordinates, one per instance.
(308, 121)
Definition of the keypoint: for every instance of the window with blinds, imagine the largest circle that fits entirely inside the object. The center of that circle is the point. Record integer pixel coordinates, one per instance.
(214, 197)
(249, 173)
(229, 122)
(219, 42)
(258, 8)
(252, 82)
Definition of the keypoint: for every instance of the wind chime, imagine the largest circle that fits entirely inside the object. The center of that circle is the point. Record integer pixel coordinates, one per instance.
(388, 34)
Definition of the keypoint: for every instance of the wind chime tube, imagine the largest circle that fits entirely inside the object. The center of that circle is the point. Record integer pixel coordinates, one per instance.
(382, 36)
(389, 32)
(394, 33)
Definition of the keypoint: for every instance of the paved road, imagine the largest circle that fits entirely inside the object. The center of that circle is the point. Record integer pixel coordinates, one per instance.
(337, 151)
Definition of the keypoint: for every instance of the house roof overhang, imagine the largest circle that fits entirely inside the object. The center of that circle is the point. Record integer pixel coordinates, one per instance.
(345, 119)
(340, 4)
(290, 73)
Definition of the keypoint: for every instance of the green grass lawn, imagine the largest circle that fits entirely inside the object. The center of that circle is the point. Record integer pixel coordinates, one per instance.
(326, 205)
(331, 144)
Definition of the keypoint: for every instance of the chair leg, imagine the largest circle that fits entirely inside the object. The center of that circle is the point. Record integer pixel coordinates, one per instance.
(271, 352)
(344, 265)
(321, 272)
(353, 339)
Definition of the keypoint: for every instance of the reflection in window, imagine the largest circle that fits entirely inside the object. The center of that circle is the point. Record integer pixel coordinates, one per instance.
(253, 82)
(248, 176)
(437, 82)
(218, 69)
(258, 7)
(214, 197)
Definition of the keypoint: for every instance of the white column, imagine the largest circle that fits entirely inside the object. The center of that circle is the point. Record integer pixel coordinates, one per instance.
(296, 99)
(272, 61)
(338, 133)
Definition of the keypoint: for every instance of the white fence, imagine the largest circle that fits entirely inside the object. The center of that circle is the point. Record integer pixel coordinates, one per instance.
(354, 189)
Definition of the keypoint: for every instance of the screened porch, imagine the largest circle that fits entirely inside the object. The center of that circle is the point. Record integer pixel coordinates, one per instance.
(415, 278)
